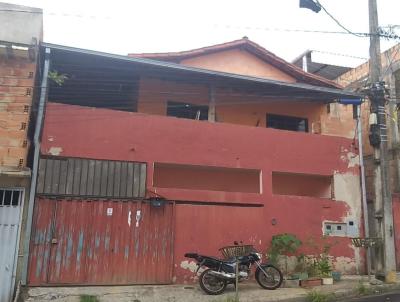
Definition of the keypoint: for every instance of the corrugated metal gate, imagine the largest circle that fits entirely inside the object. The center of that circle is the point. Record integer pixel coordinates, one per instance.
(11, 203)
(81, 241)
(91, 178)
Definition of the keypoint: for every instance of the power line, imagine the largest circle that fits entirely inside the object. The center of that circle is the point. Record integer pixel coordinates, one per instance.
(338, 23)
(339, 54)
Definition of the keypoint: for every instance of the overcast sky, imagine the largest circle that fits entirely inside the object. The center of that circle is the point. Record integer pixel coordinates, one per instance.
(172, 25)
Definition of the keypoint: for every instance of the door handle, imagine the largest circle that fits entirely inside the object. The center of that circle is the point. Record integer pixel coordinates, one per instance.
(54, 241)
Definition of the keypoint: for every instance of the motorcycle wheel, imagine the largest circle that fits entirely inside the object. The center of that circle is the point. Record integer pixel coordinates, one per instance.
(272, 279)
(211, 284)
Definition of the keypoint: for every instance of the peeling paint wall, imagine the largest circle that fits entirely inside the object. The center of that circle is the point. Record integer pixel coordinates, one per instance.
(251, 217)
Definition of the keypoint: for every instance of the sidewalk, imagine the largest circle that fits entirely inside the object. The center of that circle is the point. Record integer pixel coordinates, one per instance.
(249, 292)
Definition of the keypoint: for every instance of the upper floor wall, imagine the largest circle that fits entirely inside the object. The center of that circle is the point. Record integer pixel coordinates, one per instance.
(199, 161)
(154, 97)
(238, 61)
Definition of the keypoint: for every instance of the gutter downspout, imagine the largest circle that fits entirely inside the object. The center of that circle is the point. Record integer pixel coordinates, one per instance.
(36, 140)
(363, 188)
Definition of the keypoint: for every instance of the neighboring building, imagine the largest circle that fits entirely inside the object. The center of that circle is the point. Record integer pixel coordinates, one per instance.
(324, 68)
(355, 80)
(20, 34)
(144, 158)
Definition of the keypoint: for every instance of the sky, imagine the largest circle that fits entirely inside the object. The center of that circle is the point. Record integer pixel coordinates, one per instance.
(137, 26)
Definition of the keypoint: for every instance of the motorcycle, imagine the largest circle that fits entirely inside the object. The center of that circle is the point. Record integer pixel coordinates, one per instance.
(221, 272)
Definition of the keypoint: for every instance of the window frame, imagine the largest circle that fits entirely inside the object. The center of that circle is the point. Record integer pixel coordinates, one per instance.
(286, 119)
(204, 110)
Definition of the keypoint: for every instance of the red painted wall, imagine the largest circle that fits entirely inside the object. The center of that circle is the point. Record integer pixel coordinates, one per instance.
(106, 134)
(396, 225)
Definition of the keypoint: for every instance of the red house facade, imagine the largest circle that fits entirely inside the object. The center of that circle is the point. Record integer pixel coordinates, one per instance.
(144, 158)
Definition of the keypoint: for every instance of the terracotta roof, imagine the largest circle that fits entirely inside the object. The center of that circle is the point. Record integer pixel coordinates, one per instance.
(251, 47)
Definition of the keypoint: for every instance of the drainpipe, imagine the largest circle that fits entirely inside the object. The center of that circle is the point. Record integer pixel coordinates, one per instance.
(36, 141)
(363, 188)
(358, 103)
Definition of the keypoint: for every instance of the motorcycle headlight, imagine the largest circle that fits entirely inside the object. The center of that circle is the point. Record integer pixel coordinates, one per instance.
(259, 255)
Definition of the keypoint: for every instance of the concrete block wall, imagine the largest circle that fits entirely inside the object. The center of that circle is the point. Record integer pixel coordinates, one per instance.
(390, 56)
(356, 78)
(17, 74)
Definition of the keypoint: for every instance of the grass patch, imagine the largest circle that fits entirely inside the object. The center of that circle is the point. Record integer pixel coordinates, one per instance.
(363, 290)
(315, 296)
(88, 298)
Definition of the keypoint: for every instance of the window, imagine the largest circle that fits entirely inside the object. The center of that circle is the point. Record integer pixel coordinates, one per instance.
(284, 122)
(9, 197)
(186, 110)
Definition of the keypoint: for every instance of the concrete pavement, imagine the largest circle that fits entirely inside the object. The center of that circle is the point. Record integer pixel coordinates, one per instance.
(249, 291)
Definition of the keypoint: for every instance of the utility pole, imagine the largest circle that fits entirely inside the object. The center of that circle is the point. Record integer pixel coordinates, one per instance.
(385, 263)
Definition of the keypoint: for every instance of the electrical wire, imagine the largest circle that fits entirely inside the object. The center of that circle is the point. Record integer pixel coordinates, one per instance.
(361, 35)
(339, 54)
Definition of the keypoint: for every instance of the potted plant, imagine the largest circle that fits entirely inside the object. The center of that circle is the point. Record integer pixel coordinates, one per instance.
(336, 275)
(324, 266)
(325, 270)
(312, 271)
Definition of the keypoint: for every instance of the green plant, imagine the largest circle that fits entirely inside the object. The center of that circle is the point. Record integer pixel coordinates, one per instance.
(320, 264)
(362, 289)
(282, 245)
(324, 266)
(57, 78)
(315, 296)
(312, 267)
(88, 298)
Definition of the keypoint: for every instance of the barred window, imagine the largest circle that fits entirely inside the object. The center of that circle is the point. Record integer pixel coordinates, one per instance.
(10, 197)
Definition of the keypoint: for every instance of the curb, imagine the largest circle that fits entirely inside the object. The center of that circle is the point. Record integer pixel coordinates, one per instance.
(372, 290)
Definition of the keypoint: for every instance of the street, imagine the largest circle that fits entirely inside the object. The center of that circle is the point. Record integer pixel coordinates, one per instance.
(392, 297)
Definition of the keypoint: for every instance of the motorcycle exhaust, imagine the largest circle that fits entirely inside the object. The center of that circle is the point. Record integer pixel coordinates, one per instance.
(228, 276)
(223, 275)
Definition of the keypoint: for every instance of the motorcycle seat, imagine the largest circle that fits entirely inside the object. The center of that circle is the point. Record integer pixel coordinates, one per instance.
(230, 260)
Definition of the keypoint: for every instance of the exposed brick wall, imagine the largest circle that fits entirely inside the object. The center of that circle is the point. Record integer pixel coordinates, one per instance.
(355, 79)
(17, 76)
(392, 55)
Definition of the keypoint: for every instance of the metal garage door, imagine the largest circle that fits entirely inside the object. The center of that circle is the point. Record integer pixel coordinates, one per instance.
(82, 241)
(11, 203)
